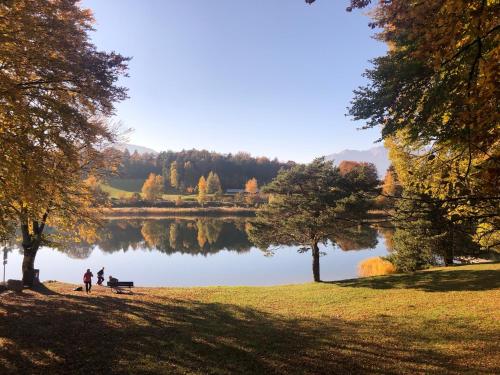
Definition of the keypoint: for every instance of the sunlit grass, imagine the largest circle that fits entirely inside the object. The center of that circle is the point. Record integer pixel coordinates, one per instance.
(115, 192)
(440, 321)
(375, 267)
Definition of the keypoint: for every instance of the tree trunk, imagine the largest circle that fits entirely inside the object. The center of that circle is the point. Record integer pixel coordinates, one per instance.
(449, 248)
(28, 266)
(448, 256)
(315, 263)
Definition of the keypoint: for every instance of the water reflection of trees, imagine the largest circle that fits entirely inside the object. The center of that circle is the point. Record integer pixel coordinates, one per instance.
(200, 236)
(346, 238)
(359, 237)
(185, 236)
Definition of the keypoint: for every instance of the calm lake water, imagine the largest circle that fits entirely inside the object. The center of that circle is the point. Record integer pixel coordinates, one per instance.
(197, 252)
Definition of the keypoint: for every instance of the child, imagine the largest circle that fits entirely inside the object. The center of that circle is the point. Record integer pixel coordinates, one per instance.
(87, 279)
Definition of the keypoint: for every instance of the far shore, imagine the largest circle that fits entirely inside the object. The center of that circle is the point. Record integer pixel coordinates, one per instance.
(115, 212)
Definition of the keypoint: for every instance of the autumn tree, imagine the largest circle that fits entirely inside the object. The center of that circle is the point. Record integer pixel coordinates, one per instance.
(251, 186)
(391, 189)
(174, 175)
(310, 202)
(202, 190)
(213, 183)
(153, 187)
(435, 95)
(94, 186)
(391, 186)
(56, 91)
(363, 175)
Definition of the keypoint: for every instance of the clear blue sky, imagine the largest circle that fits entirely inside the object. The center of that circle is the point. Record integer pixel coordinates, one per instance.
(271, 77)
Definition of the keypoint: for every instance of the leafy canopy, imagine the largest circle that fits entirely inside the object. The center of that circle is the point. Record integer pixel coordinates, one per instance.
(306, 203)
(56, 90)
(435, 96)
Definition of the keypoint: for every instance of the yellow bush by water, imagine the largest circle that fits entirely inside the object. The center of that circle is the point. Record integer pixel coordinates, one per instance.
(375, 267)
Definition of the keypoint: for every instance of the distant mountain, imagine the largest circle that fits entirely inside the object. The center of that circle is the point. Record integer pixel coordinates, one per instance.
(376, 155)
(132, 148)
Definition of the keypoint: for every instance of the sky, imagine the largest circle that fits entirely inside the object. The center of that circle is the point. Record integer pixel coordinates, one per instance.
(270, 77)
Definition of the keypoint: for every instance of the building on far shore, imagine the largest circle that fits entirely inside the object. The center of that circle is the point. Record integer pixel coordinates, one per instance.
(235, 191)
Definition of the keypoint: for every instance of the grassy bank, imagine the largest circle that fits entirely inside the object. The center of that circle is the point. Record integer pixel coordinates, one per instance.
(439, 321)
(177, 211)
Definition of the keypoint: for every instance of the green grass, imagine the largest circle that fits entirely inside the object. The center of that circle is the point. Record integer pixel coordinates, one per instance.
(432, 322)
(115, 192)
(127, 184)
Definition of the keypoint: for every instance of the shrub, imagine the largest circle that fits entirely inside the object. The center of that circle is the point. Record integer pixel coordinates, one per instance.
(375, 267)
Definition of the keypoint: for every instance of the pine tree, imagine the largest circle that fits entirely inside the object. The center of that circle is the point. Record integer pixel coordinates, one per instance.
(425, 236)
(310, 202)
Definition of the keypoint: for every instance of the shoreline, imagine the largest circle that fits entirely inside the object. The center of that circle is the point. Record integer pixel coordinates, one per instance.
(116, 212)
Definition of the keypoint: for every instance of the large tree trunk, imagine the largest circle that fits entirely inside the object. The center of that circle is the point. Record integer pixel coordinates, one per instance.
(315, 263)
(449, 248)
(28, 266)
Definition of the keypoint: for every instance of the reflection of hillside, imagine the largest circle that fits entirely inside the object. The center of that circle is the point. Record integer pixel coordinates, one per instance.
(355, 238)
(197, 236)
(78, 252)
(121, 235)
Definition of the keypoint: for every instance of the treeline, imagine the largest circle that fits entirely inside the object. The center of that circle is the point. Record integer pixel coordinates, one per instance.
(181, 171)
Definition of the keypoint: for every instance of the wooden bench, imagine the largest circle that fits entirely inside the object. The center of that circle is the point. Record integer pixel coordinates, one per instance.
(117, 285)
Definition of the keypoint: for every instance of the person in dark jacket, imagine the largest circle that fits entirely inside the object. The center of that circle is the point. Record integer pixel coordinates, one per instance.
(100, 276)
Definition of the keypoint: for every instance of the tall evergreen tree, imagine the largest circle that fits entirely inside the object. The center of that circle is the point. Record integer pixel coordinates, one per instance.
(425, 236)
(309, 203)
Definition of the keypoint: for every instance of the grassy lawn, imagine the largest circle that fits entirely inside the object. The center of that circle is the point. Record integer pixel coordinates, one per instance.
(439, 321)
(116, 192)
(127, 184)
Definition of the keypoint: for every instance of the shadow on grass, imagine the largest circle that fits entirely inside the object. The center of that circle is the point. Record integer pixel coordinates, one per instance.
(103, 334)
(437, 281)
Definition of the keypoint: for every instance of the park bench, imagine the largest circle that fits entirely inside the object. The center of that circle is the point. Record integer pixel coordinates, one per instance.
(117, 285)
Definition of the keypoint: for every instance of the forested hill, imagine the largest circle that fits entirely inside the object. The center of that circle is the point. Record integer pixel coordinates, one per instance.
(234, 170)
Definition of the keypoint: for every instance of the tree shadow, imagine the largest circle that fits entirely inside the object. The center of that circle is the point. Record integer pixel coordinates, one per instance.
(42, 289)
(67, 333)
(436, 281)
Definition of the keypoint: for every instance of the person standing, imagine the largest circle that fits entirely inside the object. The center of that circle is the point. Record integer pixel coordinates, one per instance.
(87, 279)
(100, 276)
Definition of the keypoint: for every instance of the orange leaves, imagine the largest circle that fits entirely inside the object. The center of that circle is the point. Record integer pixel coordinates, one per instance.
(202, 190)
(251, 186)
(153, 187)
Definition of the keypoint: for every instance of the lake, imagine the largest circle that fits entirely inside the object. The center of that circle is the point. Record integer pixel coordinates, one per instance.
(197, 252)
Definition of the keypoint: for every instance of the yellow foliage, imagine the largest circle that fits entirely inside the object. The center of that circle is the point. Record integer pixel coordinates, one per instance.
(153, 187)
(375, 267)
(251, 186)
(202, 190)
